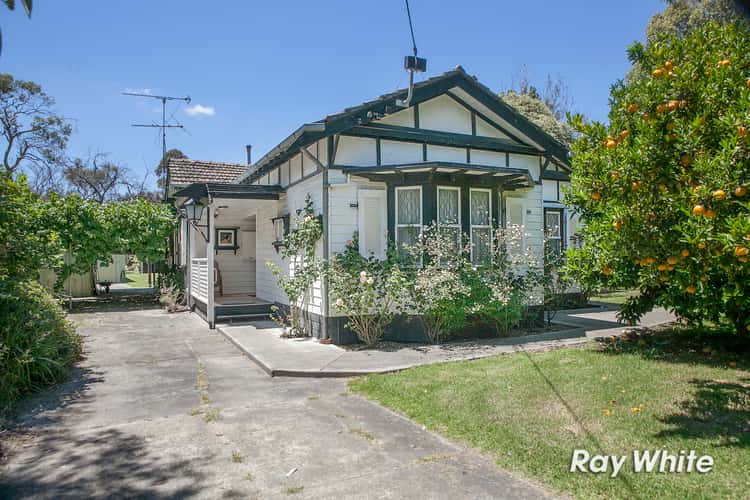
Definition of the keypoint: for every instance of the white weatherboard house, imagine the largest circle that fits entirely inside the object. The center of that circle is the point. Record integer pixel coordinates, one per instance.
(378, 169)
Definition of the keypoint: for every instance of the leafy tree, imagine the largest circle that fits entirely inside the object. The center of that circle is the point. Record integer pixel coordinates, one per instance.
(32, 132)
(161, 168)
(11, 5)
(533, 108)
(97, 179)
(26, 241)
(663, 187)
(547, 109)
(682, 16)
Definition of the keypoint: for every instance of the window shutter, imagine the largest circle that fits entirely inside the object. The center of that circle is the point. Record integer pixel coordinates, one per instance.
(372, 223)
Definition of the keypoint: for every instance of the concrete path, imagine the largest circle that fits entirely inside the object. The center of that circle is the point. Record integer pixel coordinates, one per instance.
(305, 357)
(163, 408)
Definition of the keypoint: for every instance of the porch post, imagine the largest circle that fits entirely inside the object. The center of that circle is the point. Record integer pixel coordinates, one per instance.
(210, 312)
(188, 262)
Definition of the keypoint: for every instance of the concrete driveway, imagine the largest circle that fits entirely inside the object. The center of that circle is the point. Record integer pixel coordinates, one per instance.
(163, 408)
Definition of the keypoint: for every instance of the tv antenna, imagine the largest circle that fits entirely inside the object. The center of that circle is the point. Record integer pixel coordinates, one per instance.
(412, 64)
(164, 126)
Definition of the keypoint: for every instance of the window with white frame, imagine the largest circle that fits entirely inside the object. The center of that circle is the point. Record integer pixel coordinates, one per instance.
(449, 212)
(553, 229)
(408, 215)
(480, 217)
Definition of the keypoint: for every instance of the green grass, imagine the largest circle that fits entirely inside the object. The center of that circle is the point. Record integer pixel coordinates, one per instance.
(531, 410)
(613, 297)
(136, 279)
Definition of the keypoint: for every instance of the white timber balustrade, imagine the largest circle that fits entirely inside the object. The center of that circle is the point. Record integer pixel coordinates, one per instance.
(199, 279)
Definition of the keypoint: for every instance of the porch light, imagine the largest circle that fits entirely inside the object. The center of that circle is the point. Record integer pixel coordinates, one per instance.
(194, 213)
(193, 210)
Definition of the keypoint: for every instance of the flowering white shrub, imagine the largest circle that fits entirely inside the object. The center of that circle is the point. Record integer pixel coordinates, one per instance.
(369, 292)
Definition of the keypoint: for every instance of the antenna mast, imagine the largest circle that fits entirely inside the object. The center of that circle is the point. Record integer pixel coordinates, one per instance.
(164, 126)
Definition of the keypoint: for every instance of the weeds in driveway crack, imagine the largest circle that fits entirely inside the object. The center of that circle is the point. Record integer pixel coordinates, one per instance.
(293, 490)
(237, 457)
(362, 433)
(210, 413)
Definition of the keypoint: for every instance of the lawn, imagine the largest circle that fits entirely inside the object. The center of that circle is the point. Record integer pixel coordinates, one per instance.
(136, 279)
(672, 390)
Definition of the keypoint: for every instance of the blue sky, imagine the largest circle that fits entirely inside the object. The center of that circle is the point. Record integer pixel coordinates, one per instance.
(260, 69)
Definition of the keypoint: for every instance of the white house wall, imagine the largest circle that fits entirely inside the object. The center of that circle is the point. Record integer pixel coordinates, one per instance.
(488, 158)
(356, 151)
(404, 118)
(444, 114)
(237, 269)
(266, 283)
(446, 153)
(399, 152)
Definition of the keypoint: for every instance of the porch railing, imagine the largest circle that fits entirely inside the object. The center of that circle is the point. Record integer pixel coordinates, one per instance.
(199, 279)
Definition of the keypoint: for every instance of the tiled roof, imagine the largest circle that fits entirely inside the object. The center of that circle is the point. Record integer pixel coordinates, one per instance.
(184, 171)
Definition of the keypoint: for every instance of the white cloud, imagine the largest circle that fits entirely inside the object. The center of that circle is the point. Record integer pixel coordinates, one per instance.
(199, 109)
(138, 91)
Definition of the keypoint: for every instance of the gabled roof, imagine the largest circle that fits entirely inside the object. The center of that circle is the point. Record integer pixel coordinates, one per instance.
(184, 171)
(368, 112)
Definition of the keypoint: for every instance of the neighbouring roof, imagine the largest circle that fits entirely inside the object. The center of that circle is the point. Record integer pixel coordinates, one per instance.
(183, 171)
(425, 90)
(239, 191)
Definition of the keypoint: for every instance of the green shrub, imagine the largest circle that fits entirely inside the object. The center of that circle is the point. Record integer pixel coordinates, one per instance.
(37, 343)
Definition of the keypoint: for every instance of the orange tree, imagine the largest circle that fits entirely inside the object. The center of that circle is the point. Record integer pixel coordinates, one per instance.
(663, 187)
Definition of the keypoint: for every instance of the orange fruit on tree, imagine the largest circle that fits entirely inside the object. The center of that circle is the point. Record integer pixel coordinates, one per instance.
(657, 73)
(623, 135)
(611, 144)
(668, 65)
(740, 191)
(742, 131)
(662, 187)
(615, 175)
(741, 251)
(724, 62)
(701, 245)
(699, 210)
(596, 195)
(710, 214)
(685, 253)
(661, 108)
(650, 260)
(633, 108)
(606, 270)
(636, 185)
(719, 194)
(645, 117)
(747, 83)
(690, 289)
(672, 104)
(670, 268)
(617, 224)
(672, 260)
(661, 267)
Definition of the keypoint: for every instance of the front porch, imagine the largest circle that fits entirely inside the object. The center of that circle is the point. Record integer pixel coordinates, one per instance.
(220, 249)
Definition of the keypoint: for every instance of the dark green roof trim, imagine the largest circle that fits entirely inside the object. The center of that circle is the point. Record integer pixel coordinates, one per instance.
(237, 191)
(367, 112)
(408, 134)
(551, 175)
(515, 175)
